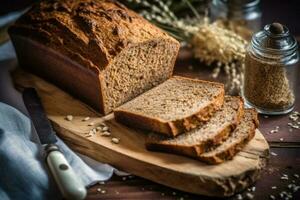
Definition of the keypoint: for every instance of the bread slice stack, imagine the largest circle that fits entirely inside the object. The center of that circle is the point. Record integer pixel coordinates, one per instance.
(191, 117)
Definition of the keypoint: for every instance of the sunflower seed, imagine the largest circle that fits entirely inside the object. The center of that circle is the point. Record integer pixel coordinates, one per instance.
(274, 154)
(105, 128)
(272, 197)
(105, 134)
(69, 117)
(249, 195)
(115, 140)
(91, 124)
(86, 119)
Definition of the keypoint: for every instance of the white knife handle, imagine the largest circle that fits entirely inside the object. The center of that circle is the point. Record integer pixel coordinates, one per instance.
(69, 184)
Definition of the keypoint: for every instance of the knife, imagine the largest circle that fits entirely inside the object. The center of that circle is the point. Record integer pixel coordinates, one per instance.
(69, 184)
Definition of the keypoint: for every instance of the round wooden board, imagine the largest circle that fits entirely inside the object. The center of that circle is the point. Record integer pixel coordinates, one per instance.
(130, 154)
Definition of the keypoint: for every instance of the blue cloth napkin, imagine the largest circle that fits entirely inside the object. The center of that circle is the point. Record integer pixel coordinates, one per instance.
(23, 173)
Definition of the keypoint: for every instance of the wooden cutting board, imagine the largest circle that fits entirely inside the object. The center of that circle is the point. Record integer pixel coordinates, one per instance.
(130, 154)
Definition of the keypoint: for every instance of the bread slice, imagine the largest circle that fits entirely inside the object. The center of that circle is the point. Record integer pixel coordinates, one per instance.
(203, 138)
(173, 107)
(244, 132)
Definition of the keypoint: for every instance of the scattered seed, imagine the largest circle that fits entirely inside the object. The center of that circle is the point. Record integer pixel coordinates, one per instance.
(249, 195)
(115, 140)
(105, 134)
(281, 139)
(99, 128)
(296, 188)
(284, 178)
(173, 193)
(101, 182)
(266, 116)
(181, 198)
(296, 175)
(290, 130)
(272, 197)
(86, 119)
(98, 189)
(239, 197)
(103, 191)
(253, 189)
(91, 124)
(105, 128)
(69, 117)
(102, 124)
(124, 178)
(274, 187)
(274, 154)
(117, 192)
(162, 194)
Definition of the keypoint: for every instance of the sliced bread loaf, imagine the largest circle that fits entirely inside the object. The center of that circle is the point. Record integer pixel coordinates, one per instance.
(173, 107)
(201, 139)
(100, 51)
(244, 132)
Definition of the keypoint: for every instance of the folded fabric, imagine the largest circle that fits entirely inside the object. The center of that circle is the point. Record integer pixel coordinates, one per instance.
(23, 173)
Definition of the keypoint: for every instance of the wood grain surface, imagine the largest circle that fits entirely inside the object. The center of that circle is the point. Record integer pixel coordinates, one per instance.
(130, 154)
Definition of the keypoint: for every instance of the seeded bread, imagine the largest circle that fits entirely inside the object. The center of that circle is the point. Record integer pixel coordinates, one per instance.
(244, 132)
(203, 138)
(173, 107)
(99, 51)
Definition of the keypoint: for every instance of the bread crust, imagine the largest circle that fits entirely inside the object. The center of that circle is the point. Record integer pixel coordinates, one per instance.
(174, 127)
(196, 150)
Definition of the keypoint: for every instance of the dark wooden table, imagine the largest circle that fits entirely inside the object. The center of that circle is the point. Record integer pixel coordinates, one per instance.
(284, 158)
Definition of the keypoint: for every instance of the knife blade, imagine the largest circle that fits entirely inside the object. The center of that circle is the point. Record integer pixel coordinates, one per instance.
(69, 184)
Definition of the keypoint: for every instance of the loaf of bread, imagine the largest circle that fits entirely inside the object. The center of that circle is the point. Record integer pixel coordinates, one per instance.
(243, 133)
(99, 51)
(173, 107)
(206, 136)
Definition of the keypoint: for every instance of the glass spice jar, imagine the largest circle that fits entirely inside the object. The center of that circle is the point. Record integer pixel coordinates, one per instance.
(271, 64)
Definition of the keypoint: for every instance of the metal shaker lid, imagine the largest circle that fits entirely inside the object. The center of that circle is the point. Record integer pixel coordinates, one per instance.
(274, 39)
